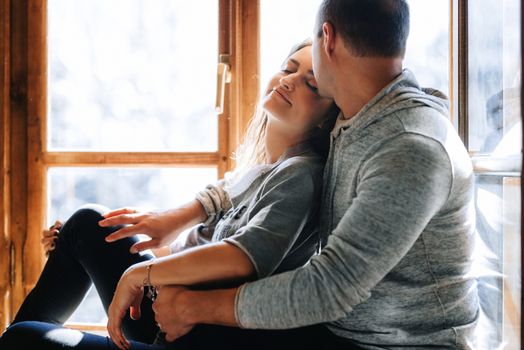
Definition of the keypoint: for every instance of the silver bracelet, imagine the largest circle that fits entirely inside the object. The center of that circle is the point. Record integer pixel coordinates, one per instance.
(151, 290)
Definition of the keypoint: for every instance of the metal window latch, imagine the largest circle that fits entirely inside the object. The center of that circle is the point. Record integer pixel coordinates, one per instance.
(223, 77)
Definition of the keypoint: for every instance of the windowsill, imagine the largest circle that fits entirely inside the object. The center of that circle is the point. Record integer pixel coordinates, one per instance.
(94, 328)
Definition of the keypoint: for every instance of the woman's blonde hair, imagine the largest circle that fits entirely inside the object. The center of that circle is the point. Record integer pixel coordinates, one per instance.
(252, 152)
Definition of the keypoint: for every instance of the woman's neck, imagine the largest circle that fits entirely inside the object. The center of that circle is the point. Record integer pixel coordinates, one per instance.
(277, 141)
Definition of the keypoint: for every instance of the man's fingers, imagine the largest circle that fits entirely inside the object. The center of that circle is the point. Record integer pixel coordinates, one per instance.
(127, 231)
(145, 245)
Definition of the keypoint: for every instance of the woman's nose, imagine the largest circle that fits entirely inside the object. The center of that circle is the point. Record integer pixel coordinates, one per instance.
(287, 84)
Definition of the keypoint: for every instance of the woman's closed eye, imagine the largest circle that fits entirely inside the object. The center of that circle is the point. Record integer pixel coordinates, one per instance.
(290, 66)
(312, 84)
(287, 69)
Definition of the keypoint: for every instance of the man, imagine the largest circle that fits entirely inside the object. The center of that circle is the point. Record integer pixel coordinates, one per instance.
(397, 207)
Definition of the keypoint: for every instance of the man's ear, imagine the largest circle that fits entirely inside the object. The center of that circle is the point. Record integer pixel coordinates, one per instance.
(328, 36)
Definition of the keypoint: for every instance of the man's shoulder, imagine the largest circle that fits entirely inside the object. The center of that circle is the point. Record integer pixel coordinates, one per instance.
(426, 121)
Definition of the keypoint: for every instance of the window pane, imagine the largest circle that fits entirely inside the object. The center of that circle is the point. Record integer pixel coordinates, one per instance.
(149, 189)
(427, 52)
(282, 25)
(124, 75)
(494, 77)
(495, 138)
(498, 265)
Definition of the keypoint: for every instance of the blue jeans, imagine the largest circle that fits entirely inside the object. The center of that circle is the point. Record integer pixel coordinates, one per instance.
(82, 257)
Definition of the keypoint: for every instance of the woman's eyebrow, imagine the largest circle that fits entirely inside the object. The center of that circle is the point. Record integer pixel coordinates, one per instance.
(295, 62)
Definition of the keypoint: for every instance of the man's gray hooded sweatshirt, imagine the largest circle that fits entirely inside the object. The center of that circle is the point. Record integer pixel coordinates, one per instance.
(398, 218)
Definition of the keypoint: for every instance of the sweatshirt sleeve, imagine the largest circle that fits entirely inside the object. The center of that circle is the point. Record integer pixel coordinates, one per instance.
(215, 201)
(400, 188)
(279, 215)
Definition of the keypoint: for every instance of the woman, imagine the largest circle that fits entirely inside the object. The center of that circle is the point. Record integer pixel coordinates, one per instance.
(264, 222)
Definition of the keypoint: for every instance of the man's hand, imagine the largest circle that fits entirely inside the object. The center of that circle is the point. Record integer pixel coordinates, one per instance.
(178, 310)
(173, 312)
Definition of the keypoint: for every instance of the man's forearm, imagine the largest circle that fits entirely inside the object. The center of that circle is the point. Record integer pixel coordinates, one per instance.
(211, 307)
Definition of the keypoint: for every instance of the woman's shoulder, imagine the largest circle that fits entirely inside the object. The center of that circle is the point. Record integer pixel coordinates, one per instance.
(307, 167)
(307, 161)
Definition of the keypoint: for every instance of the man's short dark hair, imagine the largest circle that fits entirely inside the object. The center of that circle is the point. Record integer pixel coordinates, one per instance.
(368, 27)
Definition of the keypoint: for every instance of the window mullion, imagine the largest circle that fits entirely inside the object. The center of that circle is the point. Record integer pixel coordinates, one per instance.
(244, 45)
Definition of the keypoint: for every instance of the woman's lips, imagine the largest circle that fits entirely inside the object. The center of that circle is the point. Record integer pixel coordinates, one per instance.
(284, 97)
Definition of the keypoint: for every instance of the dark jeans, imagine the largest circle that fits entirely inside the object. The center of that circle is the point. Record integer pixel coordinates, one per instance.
(82, 257)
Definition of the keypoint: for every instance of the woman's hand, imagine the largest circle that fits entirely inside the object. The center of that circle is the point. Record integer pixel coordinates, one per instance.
(128, 295)
(162, 228)
(49, 236)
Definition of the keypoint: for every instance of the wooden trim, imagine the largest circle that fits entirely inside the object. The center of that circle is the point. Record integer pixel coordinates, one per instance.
(88, 327)
(224, 124)
(250, 31)
(18, 144)
(36, 135)
(131, 159)
(5, 246)
(463, 120)
(245, 48)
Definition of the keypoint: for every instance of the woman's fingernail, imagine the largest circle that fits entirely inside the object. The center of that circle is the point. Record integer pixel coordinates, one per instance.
(133, 250)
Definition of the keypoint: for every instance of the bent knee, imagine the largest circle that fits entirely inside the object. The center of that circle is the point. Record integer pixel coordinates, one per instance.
(83, 225)
(90, 212)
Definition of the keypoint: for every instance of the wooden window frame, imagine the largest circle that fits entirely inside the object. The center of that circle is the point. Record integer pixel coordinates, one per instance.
(25, 158)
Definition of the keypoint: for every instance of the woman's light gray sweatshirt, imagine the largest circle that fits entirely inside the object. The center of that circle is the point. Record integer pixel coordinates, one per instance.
(398, 219)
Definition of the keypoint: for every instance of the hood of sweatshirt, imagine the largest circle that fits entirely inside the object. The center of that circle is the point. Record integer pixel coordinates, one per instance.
(402, 93)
